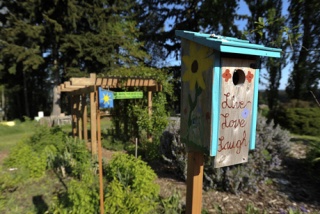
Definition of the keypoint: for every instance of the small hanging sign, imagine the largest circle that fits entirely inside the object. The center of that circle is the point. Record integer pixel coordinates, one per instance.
(106, 98)
(128, 95)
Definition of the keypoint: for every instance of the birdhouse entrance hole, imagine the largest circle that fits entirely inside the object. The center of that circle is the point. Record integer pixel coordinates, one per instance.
(238, 77)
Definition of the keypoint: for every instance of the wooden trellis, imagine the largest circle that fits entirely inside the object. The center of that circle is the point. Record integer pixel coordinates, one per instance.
(80, 88)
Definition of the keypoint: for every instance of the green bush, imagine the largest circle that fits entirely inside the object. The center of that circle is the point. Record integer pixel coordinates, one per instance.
(82, 195)
(30, 156)
(271, 148)
(25, 159)
(304, 121)
(45, 136)
(313, 158)
(132, 187)
(171, 204)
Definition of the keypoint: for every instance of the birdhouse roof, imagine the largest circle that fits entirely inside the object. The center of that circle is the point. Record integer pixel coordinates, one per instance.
(229, 44)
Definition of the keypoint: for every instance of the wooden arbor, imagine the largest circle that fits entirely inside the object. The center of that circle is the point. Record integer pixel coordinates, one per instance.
(79, 88)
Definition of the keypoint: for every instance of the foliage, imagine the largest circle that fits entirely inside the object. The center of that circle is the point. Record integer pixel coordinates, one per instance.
(131, 188)
(304, 76)
(173, 150)
(313, 157)
(271, 147)
(267, 26)
(45, 136)
(132, 121)
(31, 155)
(188, 15)
(81, 196)
(171, 204)
(24, 158)
(43, 43)
(304, 121)
(72, 159)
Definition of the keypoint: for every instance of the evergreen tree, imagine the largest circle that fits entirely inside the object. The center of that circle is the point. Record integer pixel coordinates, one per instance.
(20, 55)
(267, 27)
(61, 39)
(159, 19)
(305, 75)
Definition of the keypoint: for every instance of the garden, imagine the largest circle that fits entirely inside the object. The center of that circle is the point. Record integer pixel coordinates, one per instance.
(44, 170)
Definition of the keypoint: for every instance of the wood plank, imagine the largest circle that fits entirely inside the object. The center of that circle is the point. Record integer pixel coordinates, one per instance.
(149, 135)
(100, 163)
(196, 98)
(79, 117)
(82, 81)
(84, 117)
(74, 115)
(99, 81)
(93, 116)
(235, 111)
(194, 182)
(84, 90)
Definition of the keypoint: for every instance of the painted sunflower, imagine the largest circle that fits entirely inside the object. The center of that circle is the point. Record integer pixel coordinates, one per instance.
(197, 62)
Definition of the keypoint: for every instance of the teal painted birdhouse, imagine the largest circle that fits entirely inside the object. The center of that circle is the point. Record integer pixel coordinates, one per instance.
(219, 98)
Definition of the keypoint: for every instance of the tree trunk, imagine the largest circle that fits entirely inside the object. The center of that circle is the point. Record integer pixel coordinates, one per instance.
(2, 107)
(56, 108)
(25, 93)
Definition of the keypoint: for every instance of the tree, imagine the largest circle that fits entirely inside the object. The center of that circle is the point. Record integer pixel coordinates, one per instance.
(305, 74)
(20, 53)
(159, 19)
(267, 26)
(60, 39)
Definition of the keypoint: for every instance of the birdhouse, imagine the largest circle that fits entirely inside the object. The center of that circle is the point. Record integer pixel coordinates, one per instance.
(219, 97)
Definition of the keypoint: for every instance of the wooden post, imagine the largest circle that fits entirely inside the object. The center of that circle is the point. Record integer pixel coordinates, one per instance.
(100, 162)
(149, 136)
(93, 116)
(79, 117)
(150, 103)
(84, 118)
(194, 183)
(74, 115)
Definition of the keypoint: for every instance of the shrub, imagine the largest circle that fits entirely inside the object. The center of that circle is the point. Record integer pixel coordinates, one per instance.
(45, 136)
(30, 155)
(305, 121)
(82, 195)
(132, 187)
(271, 147)
(69, 160)
(313, 159)
(26, 160)
(171, 204)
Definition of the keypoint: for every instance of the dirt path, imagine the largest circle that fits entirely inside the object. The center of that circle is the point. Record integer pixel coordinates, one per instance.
(289, 188)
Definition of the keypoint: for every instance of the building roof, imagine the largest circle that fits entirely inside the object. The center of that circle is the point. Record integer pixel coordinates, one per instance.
(229, 44)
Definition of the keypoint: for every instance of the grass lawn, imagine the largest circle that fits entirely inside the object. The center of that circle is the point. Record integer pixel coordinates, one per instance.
(33, 196)
(11, 135)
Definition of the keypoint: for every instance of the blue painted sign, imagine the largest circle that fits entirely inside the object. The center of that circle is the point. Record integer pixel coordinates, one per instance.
(106, 98)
